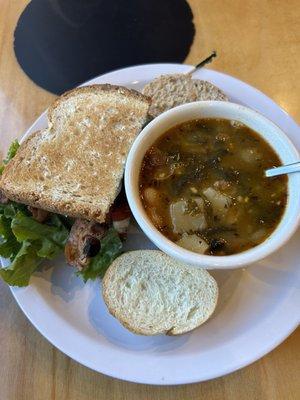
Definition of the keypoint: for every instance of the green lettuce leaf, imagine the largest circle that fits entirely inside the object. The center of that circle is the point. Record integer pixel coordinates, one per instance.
(27, 242)
(24, 264)
(48, 240)
(13, 148)
(27, 228)
(9, 246)
(111, 248)
(11, 209)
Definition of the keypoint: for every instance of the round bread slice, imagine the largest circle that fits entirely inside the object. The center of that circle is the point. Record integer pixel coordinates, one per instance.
(169, 91)
(150, 293)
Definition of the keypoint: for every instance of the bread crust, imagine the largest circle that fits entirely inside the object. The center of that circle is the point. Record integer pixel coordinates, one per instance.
(104, 87)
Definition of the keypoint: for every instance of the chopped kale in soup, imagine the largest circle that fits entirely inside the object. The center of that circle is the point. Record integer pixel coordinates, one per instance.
(202, 184)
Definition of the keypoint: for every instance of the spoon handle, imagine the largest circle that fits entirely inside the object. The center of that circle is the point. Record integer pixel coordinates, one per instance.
(201, 64)
(285, 169)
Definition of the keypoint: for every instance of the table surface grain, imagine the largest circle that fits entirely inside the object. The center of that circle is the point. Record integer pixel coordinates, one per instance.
(258, 41)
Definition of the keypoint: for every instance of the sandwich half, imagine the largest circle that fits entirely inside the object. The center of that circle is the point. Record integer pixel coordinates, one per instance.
(74, 168)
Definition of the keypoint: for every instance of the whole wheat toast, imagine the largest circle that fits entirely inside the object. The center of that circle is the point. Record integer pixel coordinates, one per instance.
(75, 166)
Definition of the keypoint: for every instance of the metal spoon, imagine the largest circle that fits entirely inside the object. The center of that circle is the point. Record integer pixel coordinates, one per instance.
(285, 169)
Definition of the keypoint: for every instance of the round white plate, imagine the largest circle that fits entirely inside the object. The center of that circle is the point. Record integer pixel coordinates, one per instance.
(257, 309)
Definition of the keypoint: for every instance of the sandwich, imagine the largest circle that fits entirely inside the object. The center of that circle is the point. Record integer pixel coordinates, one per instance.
(61, 189)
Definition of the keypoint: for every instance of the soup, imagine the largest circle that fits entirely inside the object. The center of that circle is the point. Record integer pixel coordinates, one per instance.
(203, 186)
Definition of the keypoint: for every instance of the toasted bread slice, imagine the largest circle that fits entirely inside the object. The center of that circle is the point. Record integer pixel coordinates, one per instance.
(168, 91)
(75, 166)
(151, 293)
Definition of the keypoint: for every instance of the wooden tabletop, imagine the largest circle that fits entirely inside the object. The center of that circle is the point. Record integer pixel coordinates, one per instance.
(258, 41)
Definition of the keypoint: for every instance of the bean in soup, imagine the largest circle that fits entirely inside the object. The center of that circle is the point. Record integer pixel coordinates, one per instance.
(203, 186)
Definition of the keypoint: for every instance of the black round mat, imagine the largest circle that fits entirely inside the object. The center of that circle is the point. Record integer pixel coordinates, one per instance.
(62, 43)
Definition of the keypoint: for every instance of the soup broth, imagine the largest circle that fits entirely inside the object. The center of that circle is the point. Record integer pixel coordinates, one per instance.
(203, 186)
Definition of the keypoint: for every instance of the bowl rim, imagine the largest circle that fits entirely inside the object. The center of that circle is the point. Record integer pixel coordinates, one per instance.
(284, 230)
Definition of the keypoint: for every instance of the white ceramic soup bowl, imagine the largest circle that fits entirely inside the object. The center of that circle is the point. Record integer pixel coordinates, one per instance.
(214, 109)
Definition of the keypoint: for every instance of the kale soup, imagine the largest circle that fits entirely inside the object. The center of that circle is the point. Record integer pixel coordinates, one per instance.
(203, 186)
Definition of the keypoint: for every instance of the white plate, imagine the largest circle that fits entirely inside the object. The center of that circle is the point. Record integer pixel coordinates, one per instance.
(258, 307)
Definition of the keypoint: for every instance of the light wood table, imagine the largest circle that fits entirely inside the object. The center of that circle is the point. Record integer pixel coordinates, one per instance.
(258, 41)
